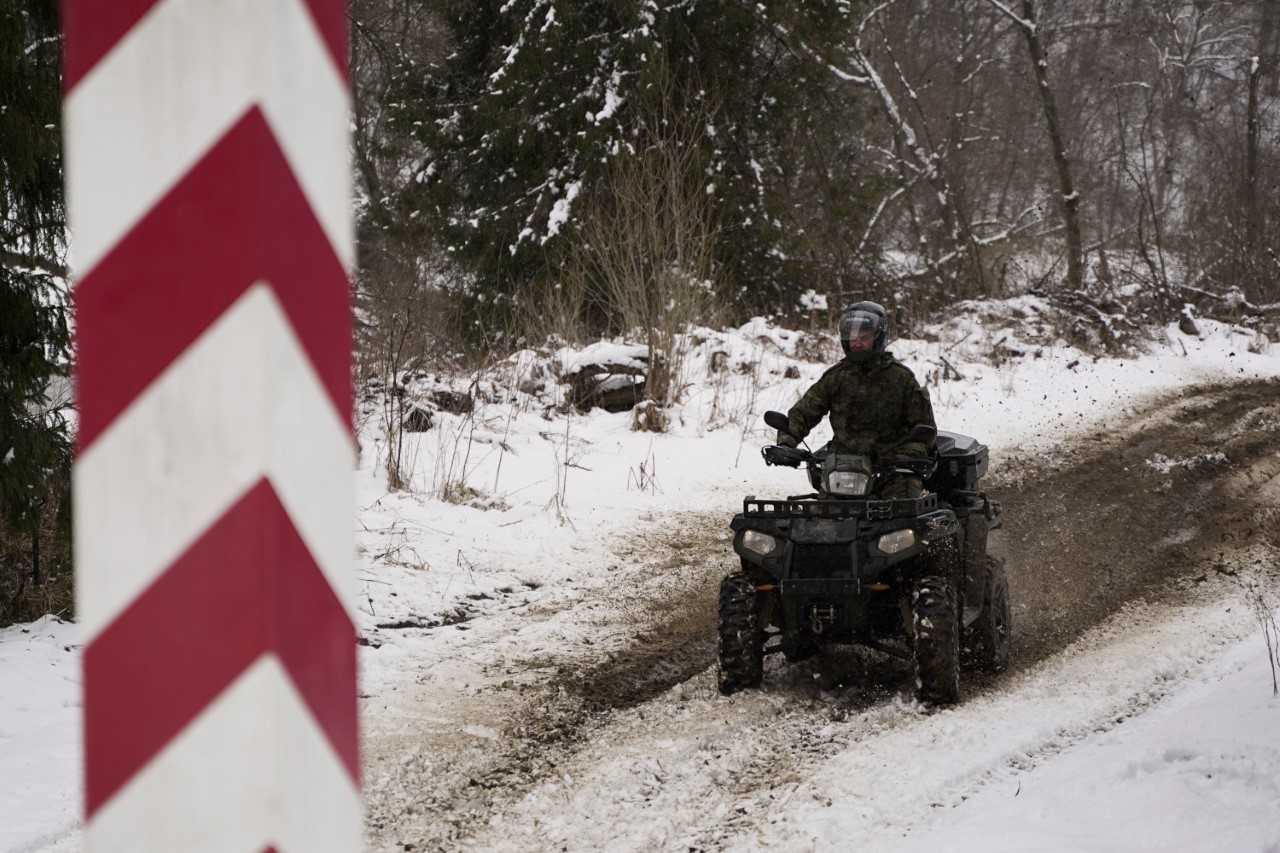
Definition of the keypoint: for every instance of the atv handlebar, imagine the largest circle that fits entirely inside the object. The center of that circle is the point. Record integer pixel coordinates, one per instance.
(916, 466)
(794, 457)
(791, 457)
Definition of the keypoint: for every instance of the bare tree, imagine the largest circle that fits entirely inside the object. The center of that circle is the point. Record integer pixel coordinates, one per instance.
(1068, 196)
(648, 238)
(1261, 63)
(406, 321)
(1137, 149)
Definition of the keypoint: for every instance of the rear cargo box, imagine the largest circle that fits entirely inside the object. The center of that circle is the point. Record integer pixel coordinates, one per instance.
(962, 461)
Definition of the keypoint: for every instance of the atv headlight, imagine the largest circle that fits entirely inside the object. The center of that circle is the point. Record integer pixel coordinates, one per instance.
(847, 483)
(759, 543)
(898, 540)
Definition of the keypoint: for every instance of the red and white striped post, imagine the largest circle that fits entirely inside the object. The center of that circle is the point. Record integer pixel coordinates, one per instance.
(206, 152)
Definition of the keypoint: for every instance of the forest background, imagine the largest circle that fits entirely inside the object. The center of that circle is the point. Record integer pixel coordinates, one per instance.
(533, 173)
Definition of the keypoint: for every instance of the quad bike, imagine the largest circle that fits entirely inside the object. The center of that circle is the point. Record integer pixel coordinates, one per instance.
(908, 577)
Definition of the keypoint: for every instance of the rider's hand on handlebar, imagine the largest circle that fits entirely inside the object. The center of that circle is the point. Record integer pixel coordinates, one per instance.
(777, 455)
(786, 440)
(920, 466)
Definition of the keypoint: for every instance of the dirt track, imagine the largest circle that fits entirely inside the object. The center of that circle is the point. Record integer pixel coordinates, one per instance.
(1100, 525)
(1088, 528)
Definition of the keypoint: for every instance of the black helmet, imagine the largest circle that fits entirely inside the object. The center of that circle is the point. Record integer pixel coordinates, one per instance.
(859, 323)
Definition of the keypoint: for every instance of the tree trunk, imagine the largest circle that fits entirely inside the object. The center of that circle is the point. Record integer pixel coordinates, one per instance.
(1253, 128)
(1252, 225)
(1068, 196)
(35, 549)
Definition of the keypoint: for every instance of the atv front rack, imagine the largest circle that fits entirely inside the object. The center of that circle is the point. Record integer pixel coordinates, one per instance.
(867, 508)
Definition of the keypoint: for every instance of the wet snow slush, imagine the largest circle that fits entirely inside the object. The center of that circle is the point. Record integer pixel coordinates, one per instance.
(589, 718)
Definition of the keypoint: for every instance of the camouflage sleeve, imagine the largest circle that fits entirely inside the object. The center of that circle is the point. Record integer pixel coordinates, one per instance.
(918, 410)
(811, 408)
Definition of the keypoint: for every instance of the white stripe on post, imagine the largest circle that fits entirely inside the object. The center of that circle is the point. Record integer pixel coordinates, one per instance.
(233, 54)
(221, 388)
(262, 761)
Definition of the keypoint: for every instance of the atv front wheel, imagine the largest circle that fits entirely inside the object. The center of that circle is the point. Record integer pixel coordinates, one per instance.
(936, 628)
(989, 633)
(741, 635)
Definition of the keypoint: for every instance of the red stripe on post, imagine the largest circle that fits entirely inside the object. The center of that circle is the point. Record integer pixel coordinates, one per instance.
(246, 587)
(331, 20)
(239, 217)
(93, 27)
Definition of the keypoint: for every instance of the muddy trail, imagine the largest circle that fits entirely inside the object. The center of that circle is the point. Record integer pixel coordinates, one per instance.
(1103, 520)
(675, 628)
(1108, 518)
(1115, 517)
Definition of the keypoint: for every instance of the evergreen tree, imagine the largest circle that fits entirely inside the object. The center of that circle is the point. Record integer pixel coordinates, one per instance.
(518, 127)
(32, 216)
(35, 451)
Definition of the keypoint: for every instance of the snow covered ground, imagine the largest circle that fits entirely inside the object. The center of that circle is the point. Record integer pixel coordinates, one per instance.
(1106, 747)
(39, 734)
(1199, 771)
(1151, 733)
(540, 498)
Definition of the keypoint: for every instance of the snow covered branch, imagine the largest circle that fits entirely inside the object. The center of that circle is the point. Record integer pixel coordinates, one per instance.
(793, 42)
(880, 208)
(943, 261)
(1027, 25)
(19, 261)
(1234, 299)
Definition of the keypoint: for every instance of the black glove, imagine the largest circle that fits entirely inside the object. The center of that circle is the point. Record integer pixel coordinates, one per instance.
(777, 455)
(786, 439)
(921, 466)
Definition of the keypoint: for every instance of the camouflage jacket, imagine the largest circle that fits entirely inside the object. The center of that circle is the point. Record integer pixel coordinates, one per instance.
(873, 407)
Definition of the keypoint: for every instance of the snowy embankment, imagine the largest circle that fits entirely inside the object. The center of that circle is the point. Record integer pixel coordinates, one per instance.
(1156, 731)
(537, 497)
(40, 708)
(1199, 771)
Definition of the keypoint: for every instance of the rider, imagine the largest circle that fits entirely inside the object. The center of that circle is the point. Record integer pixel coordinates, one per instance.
(873, 399)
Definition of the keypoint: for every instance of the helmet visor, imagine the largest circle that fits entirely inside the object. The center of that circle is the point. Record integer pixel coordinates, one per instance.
(860, 327)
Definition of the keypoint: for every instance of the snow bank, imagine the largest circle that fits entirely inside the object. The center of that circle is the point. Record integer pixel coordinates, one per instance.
(1200, 771)
(1161, 738)
(39, 734)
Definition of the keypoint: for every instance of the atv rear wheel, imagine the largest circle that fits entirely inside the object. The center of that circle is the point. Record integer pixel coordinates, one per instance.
(988, 636)
(936, 629)
(741, 635)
